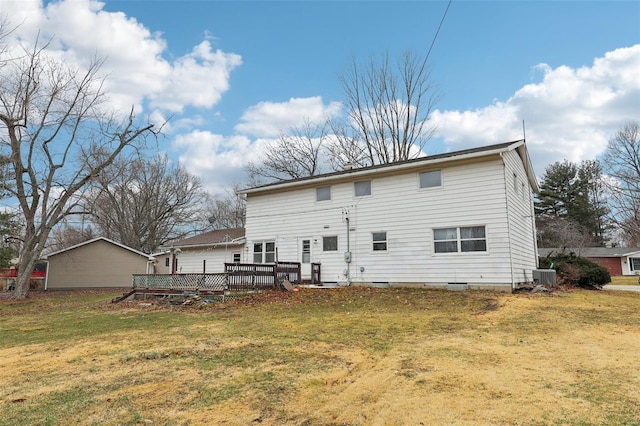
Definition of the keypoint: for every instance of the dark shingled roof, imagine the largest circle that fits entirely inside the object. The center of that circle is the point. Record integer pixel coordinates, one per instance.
(219, 236)
(452, 154)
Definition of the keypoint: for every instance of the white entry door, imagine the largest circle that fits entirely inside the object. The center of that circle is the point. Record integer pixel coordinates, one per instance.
(304, 257)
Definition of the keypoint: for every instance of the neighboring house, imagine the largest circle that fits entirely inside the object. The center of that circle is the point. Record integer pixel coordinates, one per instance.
(97, 263)
(617, 260)
(463, 217)
(207, 252)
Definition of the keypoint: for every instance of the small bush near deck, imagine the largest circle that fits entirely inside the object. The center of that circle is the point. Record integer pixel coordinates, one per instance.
(577, 271)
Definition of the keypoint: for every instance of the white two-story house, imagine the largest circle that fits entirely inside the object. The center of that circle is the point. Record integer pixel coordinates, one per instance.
(462, 218)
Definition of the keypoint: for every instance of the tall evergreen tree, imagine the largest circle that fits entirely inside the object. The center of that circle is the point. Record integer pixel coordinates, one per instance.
(570, 209)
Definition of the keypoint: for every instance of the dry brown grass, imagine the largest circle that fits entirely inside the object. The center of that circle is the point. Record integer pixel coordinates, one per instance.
(317, 357)
(625, 280)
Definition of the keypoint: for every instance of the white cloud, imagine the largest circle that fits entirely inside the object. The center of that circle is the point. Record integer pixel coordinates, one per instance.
(268, 119)
(570, 114)
(218, 160)
(80, 30)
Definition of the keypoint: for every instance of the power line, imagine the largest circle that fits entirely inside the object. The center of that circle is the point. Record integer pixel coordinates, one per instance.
(437, 32)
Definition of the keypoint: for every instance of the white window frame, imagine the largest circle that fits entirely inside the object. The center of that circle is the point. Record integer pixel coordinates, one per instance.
(319, 192)
(266, 256)
(420, 174)
(355, 188)
(378, 242)
(634, 264)
(458, 239)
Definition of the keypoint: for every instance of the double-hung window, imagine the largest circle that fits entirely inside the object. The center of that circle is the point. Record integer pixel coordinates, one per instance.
(264, 252)
(634, 264)
(461, 239)
(379, 241)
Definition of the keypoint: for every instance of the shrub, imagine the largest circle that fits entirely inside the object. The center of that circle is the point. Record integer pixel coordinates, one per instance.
(573, 270)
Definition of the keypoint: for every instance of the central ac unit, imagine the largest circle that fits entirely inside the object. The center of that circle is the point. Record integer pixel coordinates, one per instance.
(544, 276)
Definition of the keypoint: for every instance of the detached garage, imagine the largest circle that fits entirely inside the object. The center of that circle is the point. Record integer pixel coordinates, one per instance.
(97, 263)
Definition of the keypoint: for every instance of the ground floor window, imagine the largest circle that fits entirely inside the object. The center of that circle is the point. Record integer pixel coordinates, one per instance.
(236, 257)
(379, 241)
(459, 239)
(634, 263)
(264, 252)
(330, 243)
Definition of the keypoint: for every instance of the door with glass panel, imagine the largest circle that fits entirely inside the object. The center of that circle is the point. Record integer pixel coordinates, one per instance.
(304, 257)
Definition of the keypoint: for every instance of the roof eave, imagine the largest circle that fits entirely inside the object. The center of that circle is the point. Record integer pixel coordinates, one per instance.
(389, 169)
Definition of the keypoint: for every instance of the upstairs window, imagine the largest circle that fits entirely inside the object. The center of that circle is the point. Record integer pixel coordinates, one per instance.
(323, 193)
(379, 241)
(362, 188)
(430, 179)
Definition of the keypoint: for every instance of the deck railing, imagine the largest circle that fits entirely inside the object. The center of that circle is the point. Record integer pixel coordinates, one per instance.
(237, 277)
(201, 282)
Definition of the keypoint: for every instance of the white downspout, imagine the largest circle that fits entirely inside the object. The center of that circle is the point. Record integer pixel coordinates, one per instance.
(46, 276)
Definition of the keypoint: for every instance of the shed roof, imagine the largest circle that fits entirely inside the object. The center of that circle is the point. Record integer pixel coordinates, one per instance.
(213, 238)
(93, 241)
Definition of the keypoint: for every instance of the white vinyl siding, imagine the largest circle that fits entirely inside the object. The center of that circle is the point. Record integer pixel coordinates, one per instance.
(190, 260)
(521, 229)
(474, 194)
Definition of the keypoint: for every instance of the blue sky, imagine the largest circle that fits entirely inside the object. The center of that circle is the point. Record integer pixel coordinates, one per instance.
(232, 74)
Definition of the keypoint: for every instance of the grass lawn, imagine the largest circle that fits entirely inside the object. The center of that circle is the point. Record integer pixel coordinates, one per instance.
(353, 356)
(626, 280)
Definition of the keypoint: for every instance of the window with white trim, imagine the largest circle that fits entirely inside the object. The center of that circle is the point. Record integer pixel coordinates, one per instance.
(362, 188)
(430, 179)
(330, 243)
(461, 239)
(236, 257)
(379, 241)
(323, 193)
(264, 252)
(634, 263)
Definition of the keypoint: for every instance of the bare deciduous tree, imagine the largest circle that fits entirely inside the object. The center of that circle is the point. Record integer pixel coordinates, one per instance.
(48, 110)
(292, 156)
(144, 203)
(227, 210)
(622, 162)
(66, 235)
(388, 109)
